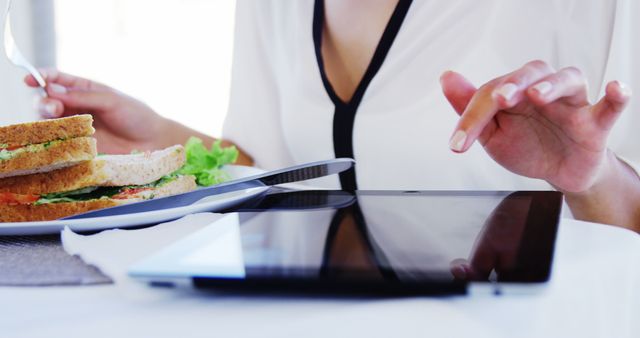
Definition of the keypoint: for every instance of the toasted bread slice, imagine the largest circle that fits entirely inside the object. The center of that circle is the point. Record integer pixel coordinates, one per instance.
(108, 170)
(47, 130)
(52, 211)
(48, 212)
(48, 157)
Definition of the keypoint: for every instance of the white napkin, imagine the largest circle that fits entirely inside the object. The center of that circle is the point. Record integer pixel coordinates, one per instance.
(113, 251)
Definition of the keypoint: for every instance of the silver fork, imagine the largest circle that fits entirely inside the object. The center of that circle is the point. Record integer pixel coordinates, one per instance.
(15, 56)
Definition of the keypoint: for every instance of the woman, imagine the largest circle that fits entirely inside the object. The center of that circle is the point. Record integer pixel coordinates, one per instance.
(315, 80)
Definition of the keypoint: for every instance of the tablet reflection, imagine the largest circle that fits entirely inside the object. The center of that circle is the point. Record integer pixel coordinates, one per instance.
(495, 253)
(382, 237)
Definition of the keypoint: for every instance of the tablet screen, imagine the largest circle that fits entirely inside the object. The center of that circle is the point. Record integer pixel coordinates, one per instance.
(384, 237)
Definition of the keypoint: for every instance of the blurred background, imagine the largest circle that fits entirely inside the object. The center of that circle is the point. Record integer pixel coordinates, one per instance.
(174, 55)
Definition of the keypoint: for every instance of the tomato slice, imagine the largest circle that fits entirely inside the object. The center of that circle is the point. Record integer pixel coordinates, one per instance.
(129, 192)
(16, 199)
(9, 148)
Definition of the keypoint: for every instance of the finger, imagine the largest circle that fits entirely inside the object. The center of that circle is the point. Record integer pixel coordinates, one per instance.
(461, 269)
(457, 90)
(52, 75)
(50, 108)
(510, 90)
(615, 100)
(568, 84)
(470, 128)
(55, 90)
(96, 100)
(483, 260)
(31, 81)
(499, 94)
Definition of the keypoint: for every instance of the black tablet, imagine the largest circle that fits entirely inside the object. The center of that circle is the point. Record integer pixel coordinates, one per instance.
(370, 242)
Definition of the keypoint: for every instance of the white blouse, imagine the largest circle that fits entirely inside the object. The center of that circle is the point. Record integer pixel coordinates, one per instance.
(281, 113)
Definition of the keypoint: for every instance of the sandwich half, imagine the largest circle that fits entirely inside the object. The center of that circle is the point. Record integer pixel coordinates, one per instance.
(43, 146)
(103, 182)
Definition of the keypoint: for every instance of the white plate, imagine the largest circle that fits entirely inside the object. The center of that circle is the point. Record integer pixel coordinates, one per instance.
(212, 203)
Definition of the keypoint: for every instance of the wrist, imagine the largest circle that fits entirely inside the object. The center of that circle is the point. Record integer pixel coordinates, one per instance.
(604, 177)
(612, 199)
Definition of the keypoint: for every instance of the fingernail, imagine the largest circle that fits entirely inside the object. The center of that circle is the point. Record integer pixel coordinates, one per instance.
(458, 141)
(48, 109)
(445, 73)
(543, 87)
(507, 91)
(58, 89)
(624, 89)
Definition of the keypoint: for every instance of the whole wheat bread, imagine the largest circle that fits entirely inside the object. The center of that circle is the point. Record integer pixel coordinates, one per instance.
(108, 170)
(52, 211)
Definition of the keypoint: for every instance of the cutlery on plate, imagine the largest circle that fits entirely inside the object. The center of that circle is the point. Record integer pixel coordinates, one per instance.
(15, 56)
(296, 173)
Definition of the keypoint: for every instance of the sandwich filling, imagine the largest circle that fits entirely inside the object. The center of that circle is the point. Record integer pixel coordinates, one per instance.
(8, 151)
(144, 192)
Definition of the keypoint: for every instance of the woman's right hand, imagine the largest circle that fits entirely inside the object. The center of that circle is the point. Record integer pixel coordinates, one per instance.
(122, 123)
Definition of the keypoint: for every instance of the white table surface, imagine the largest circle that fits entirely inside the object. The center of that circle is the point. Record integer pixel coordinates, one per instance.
(594, 292)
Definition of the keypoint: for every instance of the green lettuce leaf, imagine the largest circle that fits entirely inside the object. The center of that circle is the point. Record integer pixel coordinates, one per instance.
(205, 163)
(85, 194)
(5, 154)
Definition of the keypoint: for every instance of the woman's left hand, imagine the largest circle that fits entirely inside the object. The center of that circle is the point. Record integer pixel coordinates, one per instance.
(538, 122)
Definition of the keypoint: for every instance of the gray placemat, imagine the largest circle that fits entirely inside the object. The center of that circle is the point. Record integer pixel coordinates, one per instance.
(41, 261)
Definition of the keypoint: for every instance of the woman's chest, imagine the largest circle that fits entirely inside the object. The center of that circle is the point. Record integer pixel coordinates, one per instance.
(403, 123)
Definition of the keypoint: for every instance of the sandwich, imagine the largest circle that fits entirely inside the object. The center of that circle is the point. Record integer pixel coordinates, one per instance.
(106, 181)
(43, 146)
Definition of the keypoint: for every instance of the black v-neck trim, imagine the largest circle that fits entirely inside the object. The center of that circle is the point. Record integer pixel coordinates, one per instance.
(380, 259)
(345, 112)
